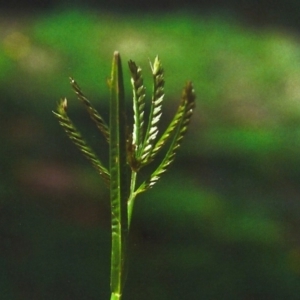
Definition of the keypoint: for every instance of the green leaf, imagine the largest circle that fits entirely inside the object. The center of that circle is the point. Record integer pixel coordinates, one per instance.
(119, 187)
(77, 139)
(101, 124)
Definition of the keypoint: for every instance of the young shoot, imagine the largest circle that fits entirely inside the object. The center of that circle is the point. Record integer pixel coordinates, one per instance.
(129, 152)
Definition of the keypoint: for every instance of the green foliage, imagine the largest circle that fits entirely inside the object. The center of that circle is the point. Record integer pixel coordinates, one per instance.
(129, 152)
(230, 63)
(216, 243)
(5, 65)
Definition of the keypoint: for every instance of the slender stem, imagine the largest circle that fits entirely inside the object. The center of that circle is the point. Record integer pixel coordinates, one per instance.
(115, 296)
(130, 202)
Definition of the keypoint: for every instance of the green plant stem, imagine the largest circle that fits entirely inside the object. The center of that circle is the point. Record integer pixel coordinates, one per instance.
(115, 296)
(130, 202)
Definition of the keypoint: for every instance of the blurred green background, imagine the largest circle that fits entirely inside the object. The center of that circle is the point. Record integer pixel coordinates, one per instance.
(223, 223)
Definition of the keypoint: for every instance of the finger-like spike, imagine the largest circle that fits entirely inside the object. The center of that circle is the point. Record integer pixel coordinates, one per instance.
(155, 110)
(138, 109)
(95, 116)
(77, 139)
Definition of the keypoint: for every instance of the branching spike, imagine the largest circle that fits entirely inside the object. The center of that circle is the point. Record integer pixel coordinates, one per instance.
(179, 126)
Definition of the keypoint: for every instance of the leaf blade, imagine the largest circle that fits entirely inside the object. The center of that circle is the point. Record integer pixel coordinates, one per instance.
(118, 169)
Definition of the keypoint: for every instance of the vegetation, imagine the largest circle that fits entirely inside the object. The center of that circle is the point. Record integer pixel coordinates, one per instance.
(230, 232)
(129, 152)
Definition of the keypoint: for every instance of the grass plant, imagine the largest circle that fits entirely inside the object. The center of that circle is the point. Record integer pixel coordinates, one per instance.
(131, 147)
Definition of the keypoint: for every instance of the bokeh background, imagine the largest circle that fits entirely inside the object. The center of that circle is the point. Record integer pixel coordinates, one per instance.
(224, 222)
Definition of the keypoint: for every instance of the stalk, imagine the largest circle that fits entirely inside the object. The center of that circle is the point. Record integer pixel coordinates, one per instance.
(132, 196)
(129, 152)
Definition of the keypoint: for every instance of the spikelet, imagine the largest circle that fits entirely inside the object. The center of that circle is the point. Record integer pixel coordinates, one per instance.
(95, 116)
(155, 110)
(138, 90)
(77, 139)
